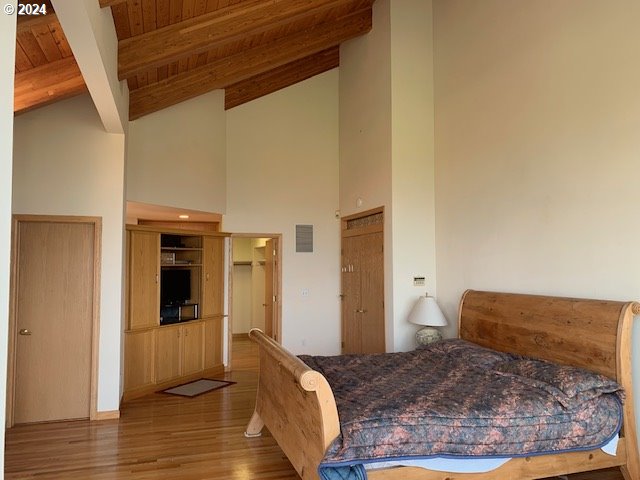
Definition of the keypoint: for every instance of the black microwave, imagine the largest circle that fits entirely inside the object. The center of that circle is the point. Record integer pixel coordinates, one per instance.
(178, 313)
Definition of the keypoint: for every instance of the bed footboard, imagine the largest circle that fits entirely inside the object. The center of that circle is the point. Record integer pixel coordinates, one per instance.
(296, 404)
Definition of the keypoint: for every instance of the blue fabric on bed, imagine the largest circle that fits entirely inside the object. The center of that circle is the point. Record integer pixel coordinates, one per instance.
(351, 472)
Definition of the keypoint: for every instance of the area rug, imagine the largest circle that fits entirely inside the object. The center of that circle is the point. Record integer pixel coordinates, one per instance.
(197, 387)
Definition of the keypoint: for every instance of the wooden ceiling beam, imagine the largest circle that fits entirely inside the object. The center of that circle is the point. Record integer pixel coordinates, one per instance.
(47, 83)
(247, 64)
(281, 77)
(205, 32)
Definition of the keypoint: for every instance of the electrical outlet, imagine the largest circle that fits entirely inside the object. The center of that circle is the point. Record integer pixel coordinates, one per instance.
(305, 292)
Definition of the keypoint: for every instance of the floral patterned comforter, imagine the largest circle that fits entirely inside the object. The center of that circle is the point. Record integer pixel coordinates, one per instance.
(456, 398)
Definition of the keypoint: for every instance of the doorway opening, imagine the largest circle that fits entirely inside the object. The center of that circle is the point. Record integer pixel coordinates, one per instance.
(256, 289)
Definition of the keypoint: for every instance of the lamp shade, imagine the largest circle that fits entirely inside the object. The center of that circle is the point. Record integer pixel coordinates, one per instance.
(426, 312)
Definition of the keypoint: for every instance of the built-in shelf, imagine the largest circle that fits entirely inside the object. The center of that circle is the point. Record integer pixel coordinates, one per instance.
(243, 262)
(181, 249)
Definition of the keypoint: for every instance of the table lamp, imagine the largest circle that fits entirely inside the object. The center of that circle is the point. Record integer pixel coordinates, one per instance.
(426, 312)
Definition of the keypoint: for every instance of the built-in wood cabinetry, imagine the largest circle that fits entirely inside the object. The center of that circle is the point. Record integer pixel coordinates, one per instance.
(157, 356)
(181, 350)
(213, 284)
(144, 279)
(139, 362)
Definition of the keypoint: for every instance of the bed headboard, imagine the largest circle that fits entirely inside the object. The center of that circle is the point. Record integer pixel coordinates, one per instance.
(593, 334)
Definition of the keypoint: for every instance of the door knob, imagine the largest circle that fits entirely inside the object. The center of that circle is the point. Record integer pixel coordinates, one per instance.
(361, 311)
(25, 331)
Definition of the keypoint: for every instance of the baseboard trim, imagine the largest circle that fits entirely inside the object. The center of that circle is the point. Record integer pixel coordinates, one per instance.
(107, 415)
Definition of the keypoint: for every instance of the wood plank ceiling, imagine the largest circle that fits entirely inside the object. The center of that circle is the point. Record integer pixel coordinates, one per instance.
(45, 68)
(173, 50)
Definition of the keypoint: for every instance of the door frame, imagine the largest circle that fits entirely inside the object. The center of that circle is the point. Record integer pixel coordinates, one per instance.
(13, 320)
(277, 311)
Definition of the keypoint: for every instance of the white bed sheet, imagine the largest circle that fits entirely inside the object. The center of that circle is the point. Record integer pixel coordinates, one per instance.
(466, 465)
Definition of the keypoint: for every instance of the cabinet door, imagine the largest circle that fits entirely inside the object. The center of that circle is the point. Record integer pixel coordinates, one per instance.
(144, 270)
(213, 276)
(167, 353)
(139, 348)
(213, 342)
(192, 348)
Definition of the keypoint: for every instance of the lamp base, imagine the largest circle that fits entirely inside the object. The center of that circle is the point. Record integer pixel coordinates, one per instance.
(428, 335)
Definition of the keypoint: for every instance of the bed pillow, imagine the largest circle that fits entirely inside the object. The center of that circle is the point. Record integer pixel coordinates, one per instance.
(474, 354)
(571, 386)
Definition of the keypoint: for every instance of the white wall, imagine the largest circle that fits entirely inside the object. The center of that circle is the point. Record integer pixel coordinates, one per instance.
(242, 298)
(365, 134)
(537, 149)
(412, 177)
(242, 249)
(386, 148)
(66, 164)
(7, 42)
(177, 155)
(282, 169)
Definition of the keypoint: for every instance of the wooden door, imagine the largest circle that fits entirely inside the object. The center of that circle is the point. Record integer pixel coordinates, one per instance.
(362, 274)
(54, 321)
(213, 273)
(371, 312)
(269, 292)
(144, 295)
(351, 320)
(192, 357)
(167, 353)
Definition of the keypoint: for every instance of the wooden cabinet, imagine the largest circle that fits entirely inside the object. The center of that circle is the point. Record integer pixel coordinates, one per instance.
(139, 348)
(213, 276)
(179, 351)
(192, 346)
(144, 279)
(168, 353)
(213, 342)
(156, 355)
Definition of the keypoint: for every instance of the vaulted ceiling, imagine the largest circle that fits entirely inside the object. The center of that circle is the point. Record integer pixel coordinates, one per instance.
(173, 50)
(45, 68)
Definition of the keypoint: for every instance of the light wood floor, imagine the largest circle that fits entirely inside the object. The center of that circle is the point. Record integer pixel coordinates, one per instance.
(165, 437)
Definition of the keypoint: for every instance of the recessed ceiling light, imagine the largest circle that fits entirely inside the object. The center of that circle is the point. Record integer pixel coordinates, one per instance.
(184, 217)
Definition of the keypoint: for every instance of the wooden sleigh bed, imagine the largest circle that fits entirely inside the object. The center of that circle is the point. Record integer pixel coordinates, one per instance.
(297, 405)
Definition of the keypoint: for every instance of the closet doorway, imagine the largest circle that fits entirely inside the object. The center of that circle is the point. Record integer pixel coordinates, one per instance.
(362, 272)
(256, 284)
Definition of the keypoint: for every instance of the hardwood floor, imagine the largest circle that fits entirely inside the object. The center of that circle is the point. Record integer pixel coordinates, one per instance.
(159, 436)
(165, 437)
